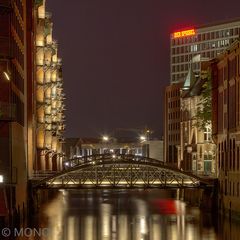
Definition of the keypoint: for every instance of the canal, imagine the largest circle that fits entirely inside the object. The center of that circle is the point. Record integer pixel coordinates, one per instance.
(130, 215)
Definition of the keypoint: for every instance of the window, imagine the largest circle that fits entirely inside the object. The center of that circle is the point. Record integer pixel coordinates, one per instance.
(207, 134)
(194, 48)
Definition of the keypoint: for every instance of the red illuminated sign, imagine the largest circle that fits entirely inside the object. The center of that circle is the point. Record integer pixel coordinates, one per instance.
(184, 33)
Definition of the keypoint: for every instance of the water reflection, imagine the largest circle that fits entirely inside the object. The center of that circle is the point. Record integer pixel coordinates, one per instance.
(131, 215)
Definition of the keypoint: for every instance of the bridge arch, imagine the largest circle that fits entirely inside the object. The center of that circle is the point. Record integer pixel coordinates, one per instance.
(119, 171)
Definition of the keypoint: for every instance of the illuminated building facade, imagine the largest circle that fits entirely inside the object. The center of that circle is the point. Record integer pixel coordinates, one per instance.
(208, 41)
(197, 149)
(80, 147)
(48, 87)
(226, 126)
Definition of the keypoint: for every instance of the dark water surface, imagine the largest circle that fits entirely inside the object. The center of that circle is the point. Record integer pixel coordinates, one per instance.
(130, 215)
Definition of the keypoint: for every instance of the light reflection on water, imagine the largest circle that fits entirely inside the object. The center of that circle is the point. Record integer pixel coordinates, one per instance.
(130, 215)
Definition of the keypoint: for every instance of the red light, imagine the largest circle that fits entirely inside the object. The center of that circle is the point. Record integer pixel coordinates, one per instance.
(189, 32)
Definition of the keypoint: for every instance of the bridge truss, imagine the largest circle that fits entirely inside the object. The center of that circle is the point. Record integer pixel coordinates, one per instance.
(118, 171)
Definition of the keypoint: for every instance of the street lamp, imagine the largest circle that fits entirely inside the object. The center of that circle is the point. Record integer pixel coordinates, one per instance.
(105, 138)
(1, 178)
(143, 138)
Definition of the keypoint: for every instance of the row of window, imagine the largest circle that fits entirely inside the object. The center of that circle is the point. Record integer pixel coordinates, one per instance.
(174, 104)
(184, 67)
(228, 156)
(231, 117)
(202, 47)
(178, 76)
(174, 126)
(229, 71)
(174, 137)
(206, 36)
(230, 188)
(173, 93)
(174, 115)
(186, 58)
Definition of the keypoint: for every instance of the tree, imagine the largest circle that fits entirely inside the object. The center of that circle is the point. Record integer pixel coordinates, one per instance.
(204, 107)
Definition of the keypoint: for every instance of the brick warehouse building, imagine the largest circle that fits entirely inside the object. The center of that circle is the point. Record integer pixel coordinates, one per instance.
(31, 100)
(13, 104)
(226, 126)
(172, 123)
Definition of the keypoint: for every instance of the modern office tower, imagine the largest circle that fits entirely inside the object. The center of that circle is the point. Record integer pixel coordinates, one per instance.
(49, 94)
(172, 121)
(207, 40)
(13, 100)
(226, 126)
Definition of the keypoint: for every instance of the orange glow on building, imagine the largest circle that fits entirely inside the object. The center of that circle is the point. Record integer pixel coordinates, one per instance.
(184, 33)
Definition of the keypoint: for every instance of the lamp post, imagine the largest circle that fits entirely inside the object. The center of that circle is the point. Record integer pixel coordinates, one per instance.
(105, 140)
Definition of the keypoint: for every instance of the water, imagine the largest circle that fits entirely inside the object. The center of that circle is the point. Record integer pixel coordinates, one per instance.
(130, 215)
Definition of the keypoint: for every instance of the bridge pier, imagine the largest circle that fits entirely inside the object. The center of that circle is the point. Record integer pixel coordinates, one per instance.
(205, 198)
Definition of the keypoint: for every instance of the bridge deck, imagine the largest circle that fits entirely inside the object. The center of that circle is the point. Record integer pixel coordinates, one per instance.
(118, 171)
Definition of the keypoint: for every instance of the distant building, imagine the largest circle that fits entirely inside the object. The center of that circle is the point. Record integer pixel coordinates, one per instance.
(155, 149)
(226, 126)
(197, 149)
(172, 123)
(80, 147)
(207, 41)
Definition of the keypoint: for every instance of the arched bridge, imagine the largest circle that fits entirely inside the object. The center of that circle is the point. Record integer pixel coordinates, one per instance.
(123, 171)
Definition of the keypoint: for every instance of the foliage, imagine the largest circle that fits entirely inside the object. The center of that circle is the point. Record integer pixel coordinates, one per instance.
(204, 107)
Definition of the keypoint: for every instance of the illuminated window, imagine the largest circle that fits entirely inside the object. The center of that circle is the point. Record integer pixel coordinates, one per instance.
(207, 134)
(226, 42)
(194, 48)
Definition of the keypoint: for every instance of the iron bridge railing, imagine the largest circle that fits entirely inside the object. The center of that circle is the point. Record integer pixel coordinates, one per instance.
(118, 170)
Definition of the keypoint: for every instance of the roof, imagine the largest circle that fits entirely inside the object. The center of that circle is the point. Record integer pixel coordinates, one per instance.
(190, 78)
(196, 88)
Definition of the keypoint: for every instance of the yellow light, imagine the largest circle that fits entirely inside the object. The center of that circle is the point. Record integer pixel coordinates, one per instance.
(143, 138)
(105, 138)
(189, 32)
(7, 76)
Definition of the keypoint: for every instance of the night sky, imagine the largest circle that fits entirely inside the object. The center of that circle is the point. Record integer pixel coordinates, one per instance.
(116, 57)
